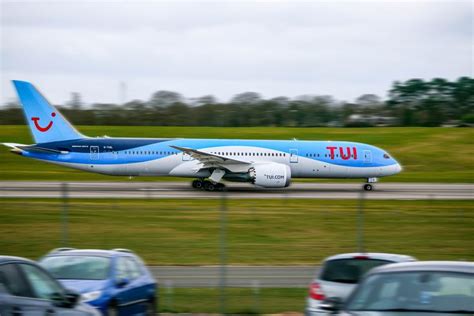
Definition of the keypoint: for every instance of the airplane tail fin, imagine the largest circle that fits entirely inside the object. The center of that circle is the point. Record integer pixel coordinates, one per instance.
(45, 122)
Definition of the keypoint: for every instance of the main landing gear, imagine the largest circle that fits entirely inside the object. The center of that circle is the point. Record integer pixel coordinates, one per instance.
(369, 186)
(207, 185)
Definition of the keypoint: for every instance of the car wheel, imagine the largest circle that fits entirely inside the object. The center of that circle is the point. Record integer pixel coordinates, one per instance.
(112, 310)
(150, 308)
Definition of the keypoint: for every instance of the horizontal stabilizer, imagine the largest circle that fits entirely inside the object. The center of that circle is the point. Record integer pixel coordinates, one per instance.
(18, 148)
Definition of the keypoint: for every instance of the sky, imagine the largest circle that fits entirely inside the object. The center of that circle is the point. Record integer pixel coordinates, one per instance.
(277, 48)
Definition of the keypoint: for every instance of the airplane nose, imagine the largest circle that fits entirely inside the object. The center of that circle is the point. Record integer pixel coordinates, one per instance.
(398, 168)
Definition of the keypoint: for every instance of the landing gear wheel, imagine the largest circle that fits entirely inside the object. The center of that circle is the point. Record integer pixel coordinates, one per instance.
(197, 184)
(220, 187)
(209, 186)
(368, 187)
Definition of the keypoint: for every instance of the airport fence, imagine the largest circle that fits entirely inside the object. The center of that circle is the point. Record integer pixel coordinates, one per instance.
(226, 232)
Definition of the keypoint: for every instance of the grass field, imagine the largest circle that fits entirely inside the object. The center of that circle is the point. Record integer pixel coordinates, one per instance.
(238, 300)
(427, 154)
(261, 232)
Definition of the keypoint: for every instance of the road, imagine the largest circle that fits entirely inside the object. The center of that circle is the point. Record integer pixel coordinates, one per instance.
(237, 276)
(181, 190)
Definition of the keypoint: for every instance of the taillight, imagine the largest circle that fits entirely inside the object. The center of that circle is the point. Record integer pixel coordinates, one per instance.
(316, 292)
(361, 257)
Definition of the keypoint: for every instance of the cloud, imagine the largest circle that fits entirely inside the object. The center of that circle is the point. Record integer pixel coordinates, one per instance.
(223, 48)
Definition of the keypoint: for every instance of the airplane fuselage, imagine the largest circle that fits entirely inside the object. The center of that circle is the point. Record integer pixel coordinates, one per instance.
(155, 157)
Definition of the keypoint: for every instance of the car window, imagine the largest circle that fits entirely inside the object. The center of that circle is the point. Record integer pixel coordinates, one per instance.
(348, 270)
(77, 267)
(133, 268)
(121, 269)
(12, 281)
(43, 285)
(415, 291)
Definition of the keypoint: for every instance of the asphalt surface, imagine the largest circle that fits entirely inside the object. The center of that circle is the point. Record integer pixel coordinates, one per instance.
(304, 190)
(237, 276)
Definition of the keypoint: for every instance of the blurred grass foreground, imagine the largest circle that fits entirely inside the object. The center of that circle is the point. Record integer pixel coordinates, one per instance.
(427, 154)
(260, 232)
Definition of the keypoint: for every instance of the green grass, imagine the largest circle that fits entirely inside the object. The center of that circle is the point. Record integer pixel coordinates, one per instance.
(261, 232)
(238, 300)
(427, 154)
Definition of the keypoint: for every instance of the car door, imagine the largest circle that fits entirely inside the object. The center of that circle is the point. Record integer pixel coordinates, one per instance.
(124, 296)
(44, 288)
(15, 295)
(138, 285)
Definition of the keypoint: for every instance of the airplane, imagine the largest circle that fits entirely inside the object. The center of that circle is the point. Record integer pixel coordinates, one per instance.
(264, 163)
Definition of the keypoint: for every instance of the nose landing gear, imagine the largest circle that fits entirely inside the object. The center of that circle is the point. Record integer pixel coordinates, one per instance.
(369, 186)
(207, 185)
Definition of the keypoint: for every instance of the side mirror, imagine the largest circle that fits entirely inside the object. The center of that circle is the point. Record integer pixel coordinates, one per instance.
(122, 282)
(331, 304)
(72, 297)
(67, 299)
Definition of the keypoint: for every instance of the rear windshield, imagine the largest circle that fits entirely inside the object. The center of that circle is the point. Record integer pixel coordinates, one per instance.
(77, 267)
(348, 270)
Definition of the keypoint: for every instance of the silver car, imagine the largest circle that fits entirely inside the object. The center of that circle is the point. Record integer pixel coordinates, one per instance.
(339, 275)
(425, 288)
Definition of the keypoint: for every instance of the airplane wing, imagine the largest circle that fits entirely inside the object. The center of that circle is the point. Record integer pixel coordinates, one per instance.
(209, 159)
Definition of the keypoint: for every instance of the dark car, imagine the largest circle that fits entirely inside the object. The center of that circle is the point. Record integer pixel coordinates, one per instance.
(415, 288)
(27, 289)
(116, 282)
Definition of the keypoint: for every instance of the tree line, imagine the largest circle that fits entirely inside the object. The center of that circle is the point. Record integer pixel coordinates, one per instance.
(414, 102)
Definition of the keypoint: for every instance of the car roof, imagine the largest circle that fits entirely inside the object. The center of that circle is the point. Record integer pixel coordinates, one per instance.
(89, 252)
(444, 266)
(372, 255)
(6, 259)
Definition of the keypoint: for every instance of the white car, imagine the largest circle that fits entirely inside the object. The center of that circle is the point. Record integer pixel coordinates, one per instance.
(340, 274)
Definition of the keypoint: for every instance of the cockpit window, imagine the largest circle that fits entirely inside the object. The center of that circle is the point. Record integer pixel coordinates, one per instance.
(386, 156)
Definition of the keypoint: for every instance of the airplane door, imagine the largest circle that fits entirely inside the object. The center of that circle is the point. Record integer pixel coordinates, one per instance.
(293, 155)
(94, 152)
(367, 156)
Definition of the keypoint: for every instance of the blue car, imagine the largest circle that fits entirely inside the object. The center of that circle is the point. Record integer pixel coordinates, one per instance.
(116, 282)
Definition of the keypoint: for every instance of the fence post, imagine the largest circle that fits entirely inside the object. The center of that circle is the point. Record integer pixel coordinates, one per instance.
(256, 296)
(360, 224)
(168, 306)
(223, 254)
(65, 214)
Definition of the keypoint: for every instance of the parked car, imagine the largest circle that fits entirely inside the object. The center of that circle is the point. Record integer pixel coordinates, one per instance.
(339, 275)
(116, 282)
(415, 288)
(27, 289)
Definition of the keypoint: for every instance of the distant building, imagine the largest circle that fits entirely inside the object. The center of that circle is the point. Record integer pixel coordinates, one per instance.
(370, 120)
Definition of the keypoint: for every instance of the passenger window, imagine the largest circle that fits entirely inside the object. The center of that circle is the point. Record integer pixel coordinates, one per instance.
(43, 286)
(12, 281)
(121, 269)
(133, 268)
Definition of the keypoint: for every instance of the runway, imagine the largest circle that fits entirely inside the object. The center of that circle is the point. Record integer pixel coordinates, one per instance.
(237, 276)
(183, 190)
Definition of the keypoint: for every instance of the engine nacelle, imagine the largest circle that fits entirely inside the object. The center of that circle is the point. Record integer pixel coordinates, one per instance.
(270, 175)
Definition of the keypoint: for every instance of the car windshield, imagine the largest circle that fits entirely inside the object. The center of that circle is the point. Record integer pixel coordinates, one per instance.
(77, 267)
(415, 291)
(349, 270)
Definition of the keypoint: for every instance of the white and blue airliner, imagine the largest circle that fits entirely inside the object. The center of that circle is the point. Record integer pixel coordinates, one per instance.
(264, 163)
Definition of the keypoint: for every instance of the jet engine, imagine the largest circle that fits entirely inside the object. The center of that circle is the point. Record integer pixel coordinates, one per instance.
(270, 175)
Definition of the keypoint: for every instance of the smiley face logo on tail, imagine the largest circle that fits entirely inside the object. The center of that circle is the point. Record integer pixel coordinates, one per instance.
(39, 127)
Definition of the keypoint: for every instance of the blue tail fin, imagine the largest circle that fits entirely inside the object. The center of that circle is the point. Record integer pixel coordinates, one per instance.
(46, 123)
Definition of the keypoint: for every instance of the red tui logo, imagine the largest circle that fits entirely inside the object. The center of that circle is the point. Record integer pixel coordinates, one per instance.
(39, 127)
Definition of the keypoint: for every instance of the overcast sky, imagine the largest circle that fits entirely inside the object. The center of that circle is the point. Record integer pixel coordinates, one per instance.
(339, 48)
